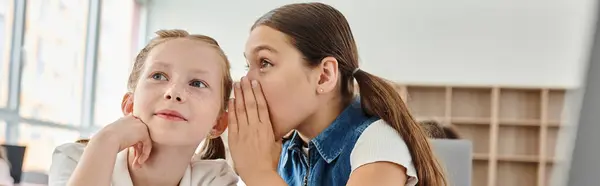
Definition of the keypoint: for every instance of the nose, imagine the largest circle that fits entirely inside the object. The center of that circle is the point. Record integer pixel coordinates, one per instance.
(174, 93)
(252, 74)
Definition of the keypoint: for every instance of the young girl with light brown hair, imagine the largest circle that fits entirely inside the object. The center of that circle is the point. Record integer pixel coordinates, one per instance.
(177, 94)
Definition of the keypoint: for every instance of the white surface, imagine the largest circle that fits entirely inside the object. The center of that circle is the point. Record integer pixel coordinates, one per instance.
(535, 42)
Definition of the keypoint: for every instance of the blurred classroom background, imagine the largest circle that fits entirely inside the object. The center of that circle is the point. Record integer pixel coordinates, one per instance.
(509, 76)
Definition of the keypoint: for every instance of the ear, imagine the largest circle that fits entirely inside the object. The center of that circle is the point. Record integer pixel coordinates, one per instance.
(328, 77)
(127, 104)
(220, 127)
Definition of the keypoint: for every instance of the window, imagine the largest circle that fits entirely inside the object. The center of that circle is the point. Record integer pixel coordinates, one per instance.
(115, 57)
(6, 15)
(40, 142)
(52, 79)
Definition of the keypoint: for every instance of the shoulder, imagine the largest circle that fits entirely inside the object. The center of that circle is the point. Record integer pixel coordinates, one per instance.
(379, 142)
(64, 161)
(69, 150)
(213, 172)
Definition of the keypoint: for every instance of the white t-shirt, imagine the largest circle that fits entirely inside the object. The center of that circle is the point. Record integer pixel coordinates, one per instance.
(379, 142)
(5, 178)
(199, 173)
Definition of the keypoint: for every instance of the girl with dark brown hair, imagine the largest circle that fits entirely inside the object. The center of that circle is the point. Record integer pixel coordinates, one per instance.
(302, 63)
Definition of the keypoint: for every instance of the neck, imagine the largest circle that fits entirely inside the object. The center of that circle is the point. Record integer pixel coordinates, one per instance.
(321, 119)
(165, 166)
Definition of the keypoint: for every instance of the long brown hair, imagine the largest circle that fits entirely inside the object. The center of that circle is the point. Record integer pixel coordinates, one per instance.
(213, 148)
(318, 30)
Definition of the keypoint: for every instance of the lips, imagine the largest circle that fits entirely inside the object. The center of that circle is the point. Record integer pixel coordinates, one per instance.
(170, 115)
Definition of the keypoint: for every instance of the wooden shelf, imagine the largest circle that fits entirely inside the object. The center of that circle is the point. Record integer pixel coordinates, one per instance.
(515, 140)
(519, 104)
(551, 142)
(478, 134)
(513, 130)
(480, 173)
(516, 173)
(556, 100)
(521, 122)
(471, 103)
(427, 101)
(512, 158)
(470, 121)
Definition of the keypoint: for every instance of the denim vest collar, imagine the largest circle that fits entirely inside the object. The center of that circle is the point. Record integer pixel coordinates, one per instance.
(330, 142)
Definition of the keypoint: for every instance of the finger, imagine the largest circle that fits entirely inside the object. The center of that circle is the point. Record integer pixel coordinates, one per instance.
(137, 149)
(261, 104)
(233, 126)
(240, 110)
(146, 149)
(249, 102)
(137, 155)
(135, 163)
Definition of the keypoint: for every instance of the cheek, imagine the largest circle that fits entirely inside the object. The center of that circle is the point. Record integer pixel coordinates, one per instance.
(141, 101)
(204, 112)
(289, 98)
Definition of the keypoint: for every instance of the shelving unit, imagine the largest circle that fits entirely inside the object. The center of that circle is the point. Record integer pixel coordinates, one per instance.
(513, 130)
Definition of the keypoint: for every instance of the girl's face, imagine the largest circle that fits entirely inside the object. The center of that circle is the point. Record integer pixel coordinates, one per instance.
(288, 83)
(179, 92)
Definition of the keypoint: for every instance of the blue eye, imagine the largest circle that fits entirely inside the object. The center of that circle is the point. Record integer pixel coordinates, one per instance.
(159, 76)
(198, 84)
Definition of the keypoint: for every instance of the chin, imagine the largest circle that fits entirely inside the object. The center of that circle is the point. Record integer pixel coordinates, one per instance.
(167, 139)
(172, 136)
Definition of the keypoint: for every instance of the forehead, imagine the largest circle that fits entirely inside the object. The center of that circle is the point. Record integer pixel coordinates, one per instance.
(264, 37)
(186, 53)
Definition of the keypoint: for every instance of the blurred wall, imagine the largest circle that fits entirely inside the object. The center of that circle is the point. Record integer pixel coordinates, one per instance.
(494, 42)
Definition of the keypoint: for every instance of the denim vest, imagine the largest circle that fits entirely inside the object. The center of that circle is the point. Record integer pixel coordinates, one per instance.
(328, 161)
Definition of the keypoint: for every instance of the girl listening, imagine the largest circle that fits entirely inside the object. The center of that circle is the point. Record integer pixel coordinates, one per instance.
(177, 96)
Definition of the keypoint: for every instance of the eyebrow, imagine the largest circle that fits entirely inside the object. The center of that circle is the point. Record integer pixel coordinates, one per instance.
(262, 47)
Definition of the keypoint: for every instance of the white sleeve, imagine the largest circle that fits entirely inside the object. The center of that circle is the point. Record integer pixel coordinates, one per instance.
(213, 172)
(5, 178)
(379, 142)
(64, 161)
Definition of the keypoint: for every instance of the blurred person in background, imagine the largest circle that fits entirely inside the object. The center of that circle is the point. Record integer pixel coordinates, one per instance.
(434, 129)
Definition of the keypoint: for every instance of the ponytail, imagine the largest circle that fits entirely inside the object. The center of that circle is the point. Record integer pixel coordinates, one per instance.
(212, 149)
(379, 98)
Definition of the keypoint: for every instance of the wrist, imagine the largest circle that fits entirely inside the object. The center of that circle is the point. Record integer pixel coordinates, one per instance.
(105, 140)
